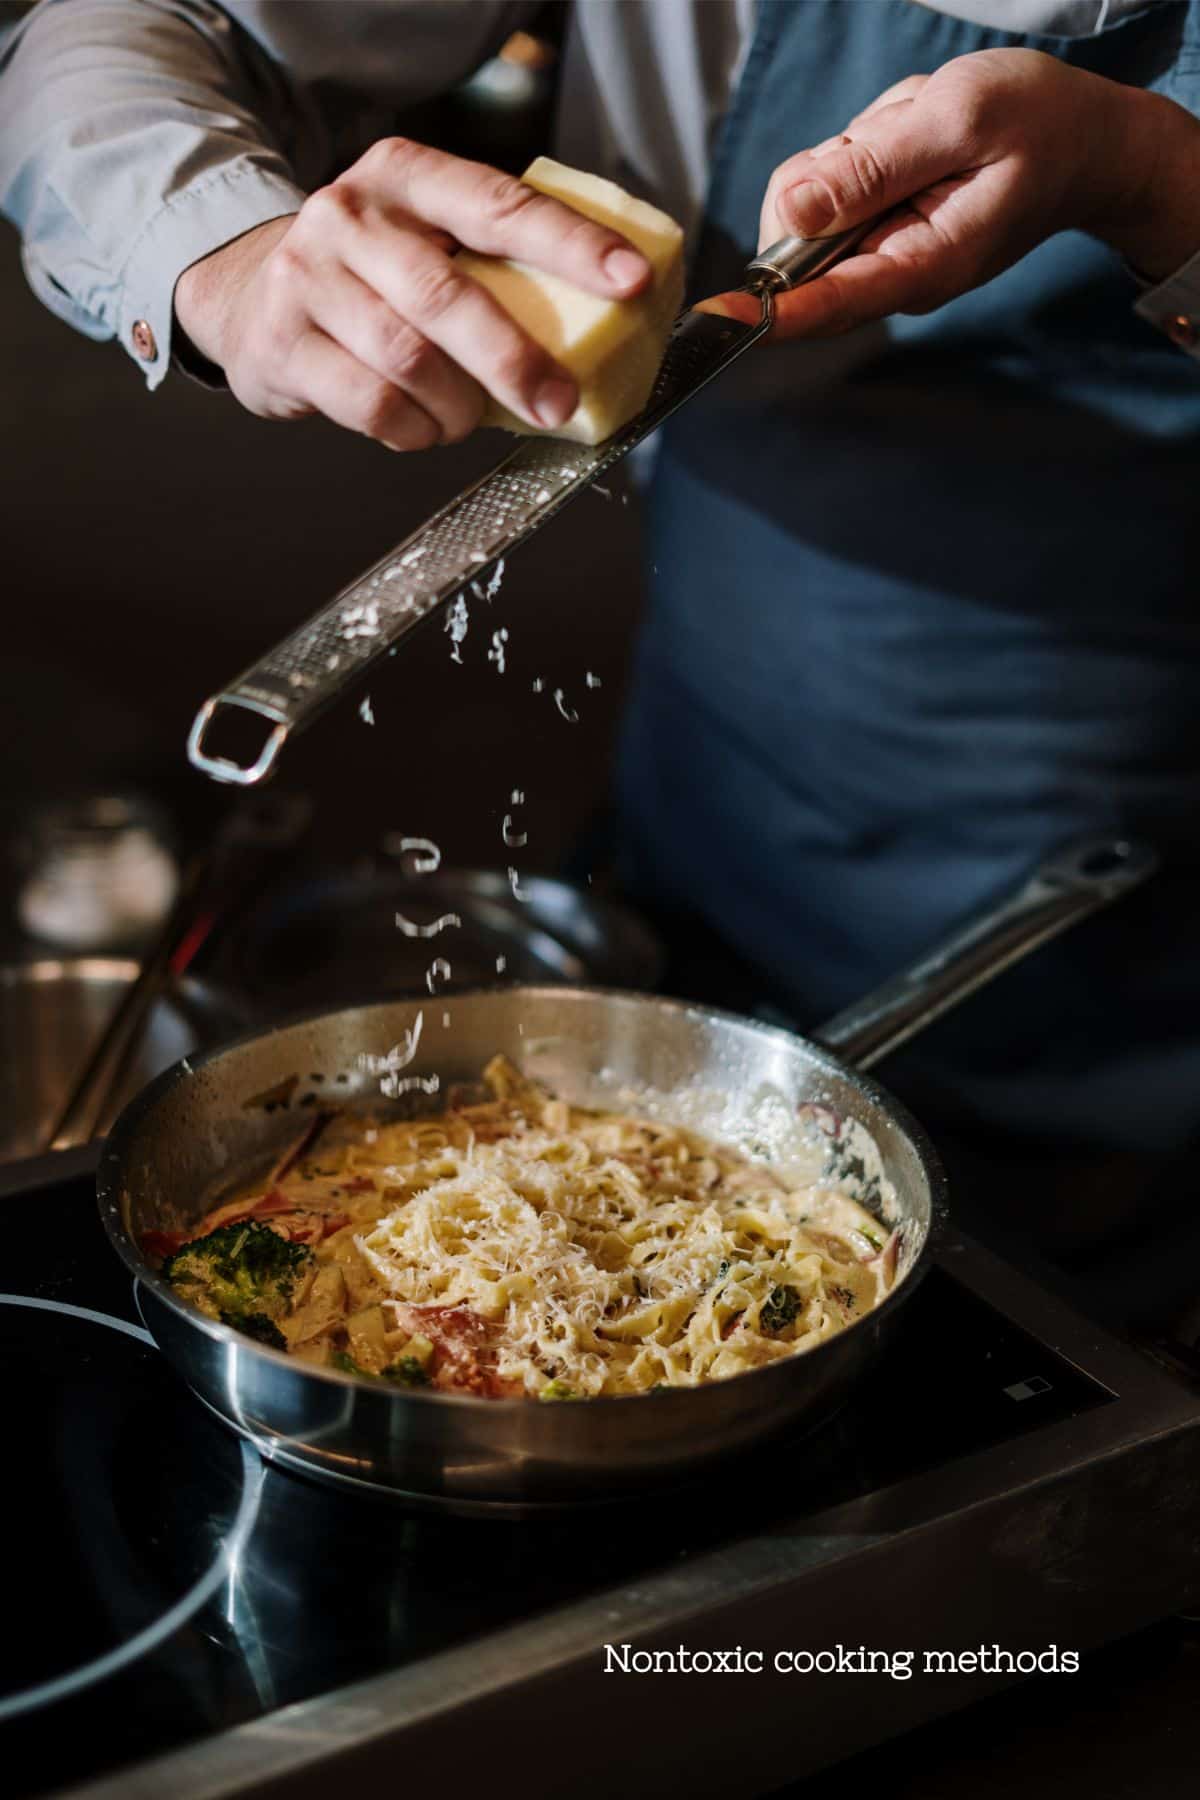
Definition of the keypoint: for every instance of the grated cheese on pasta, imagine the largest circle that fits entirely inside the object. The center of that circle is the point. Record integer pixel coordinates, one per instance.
(621, 1255)
(522, 1246)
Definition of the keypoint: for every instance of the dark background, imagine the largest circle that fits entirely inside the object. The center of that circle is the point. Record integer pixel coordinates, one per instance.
(155, 544)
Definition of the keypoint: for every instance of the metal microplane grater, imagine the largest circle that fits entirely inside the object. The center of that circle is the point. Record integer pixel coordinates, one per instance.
(309, 670)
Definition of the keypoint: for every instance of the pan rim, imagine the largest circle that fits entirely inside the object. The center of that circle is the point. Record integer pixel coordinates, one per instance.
(113, 1160)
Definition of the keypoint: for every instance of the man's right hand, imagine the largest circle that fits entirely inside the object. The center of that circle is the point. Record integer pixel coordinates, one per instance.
(353, 307)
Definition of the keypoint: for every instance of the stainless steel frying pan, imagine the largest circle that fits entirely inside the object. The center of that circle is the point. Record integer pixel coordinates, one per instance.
(226, 1115)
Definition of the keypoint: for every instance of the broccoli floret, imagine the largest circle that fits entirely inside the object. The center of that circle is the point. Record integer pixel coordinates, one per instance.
(244, 1274)
(258, 1326)
(341, 1359)
(407, 1371)
(558, 1390)
(779, 1309)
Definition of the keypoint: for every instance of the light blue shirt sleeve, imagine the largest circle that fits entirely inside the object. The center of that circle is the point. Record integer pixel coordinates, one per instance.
(135, 137)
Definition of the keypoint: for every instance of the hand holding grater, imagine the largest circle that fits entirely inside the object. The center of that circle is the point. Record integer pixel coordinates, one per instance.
(313, 667)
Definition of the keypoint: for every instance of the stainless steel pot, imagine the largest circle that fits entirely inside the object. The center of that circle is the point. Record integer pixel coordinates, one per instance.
(222, 1116)
(52, 1014)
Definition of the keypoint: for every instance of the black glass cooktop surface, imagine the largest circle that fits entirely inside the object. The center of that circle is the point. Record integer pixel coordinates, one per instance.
(173, 1586)
(120, 1563)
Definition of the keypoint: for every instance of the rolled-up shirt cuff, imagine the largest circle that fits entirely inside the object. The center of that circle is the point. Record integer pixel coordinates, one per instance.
(1173, 305)
(223, 205)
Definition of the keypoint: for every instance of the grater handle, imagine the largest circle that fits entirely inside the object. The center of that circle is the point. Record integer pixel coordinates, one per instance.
(792, 261)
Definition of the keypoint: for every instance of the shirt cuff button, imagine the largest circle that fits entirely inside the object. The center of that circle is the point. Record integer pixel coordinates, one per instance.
(1180, 329)
(143, 341)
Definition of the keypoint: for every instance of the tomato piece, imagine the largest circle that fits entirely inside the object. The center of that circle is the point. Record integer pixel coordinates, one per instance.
(309, 1227)
(450, 1325)
(464, 1346)
(162, 1244)
(284, 1213)
(467, 1372)
(276, 1201)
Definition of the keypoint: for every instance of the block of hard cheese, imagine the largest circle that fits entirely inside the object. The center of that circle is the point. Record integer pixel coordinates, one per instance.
(613, 348)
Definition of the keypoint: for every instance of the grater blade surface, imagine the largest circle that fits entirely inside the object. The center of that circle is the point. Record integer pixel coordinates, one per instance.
(307, 671)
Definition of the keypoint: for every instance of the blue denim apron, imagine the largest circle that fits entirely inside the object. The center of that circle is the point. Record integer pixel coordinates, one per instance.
(924, 604)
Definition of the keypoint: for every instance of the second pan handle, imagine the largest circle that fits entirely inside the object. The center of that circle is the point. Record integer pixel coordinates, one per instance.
(1072, 883)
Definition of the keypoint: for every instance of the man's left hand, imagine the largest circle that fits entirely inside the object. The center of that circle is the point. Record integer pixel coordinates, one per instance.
(973, 166)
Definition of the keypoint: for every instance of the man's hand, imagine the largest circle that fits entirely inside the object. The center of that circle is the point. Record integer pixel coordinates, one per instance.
(975, 165)
(353, 307)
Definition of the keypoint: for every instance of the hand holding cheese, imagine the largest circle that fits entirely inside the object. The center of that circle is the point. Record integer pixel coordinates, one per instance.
(358, 308)
(613, 348)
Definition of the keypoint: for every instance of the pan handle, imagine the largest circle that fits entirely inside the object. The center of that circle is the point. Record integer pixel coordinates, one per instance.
(1074, 882)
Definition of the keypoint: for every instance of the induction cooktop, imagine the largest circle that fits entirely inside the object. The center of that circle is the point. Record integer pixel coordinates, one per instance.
(187, 1620)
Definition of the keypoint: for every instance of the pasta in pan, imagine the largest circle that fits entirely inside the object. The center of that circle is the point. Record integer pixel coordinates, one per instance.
(521, 1246)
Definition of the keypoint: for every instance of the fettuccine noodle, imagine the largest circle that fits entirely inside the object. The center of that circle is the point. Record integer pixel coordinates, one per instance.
(525, 1246)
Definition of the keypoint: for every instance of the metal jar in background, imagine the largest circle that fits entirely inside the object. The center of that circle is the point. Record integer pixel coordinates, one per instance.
(97, 873)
